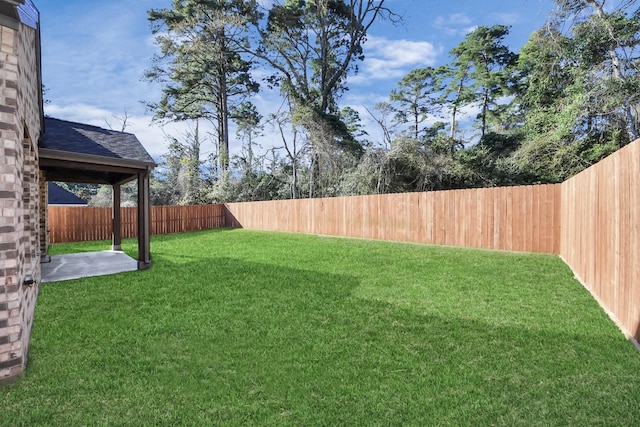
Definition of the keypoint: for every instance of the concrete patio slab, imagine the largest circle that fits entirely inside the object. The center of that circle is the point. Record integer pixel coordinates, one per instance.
(86, 264)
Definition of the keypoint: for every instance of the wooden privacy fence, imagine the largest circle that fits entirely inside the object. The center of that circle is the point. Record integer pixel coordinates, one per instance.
(600, 233)
(525, 218)
(76, 224)
(591, 220)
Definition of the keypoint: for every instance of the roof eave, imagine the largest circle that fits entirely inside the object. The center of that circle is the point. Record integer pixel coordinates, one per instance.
(9, 16)
(47, 153)
(15, 12)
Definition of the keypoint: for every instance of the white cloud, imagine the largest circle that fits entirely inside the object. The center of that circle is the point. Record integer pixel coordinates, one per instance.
(391, 59)
(507, 18)
(457, 19)
(97, 55)
(455, 24)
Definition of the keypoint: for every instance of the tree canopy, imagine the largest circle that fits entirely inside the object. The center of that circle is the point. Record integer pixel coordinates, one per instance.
(489, 116)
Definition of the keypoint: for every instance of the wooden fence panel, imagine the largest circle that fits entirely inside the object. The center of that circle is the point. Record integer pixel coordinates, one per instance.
(600, 235)
(631, 262)
(512, 218)
(77, 224)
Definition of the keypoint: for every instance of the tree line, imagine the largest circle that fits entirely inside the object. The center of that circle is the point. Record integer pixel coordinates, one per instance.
(488, 117)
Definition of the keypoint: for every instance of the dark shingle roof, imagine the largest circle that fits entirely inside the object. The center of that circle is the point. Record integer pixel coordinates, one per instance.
(21, 10)
(86, 139)
(61, 196)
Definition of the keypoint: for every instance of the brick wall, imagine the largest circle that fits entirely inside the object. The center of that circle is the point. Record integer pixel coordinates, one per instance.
(19, 199)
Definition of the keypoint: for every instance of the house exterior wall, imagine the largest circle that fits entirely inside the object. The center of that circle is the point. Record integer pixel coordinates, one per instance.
(20, 126)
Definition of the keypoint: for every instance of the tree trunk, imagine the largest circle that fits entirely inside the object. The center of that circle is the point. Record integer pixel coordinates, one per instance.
(453, 121)
(223, 130)
(455, 107)
(416, 123)
(312, 173)
(485, 106)
(294, 180)
(194, 166)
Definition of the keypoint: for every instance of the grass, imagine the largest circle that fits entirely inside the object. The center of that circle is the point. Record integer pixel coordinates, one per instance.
(232, 327)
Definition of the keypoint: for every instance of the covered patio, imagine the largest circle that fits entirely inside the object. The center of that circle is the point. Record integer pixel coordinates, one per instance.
(80, 153)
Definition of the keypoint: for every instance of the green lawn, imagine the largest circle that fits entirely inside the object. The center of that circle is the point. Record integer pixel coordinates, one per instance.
(234, 327)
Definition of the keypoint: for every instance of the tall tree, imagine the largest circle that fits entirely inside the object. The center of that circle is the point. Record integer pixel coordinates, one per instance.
(353, 122)
(249, 126)
(481, 71)
(179, 180)
(293, 145)
(383, 120)
(418, 95)
(457, 93)
(313, 45)
(606, 42)
(200, 65)
(576, 94)
(549, 98)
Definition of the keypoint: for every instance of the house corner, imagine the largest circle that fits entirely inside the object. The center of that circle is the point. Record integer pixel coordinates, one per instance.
(20, 177)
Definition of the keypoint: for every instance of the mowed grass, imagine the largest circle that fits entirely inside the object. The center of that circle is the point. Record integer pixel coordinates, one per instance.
(234, 327)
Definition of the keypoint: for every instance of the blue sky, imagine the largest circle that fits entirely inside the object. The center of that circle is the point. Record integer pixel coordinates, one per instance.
(94, 54)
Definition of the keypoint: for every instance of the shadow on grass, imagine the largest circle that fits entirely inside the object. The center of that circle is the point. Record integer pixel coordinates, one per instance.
(215, 340)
